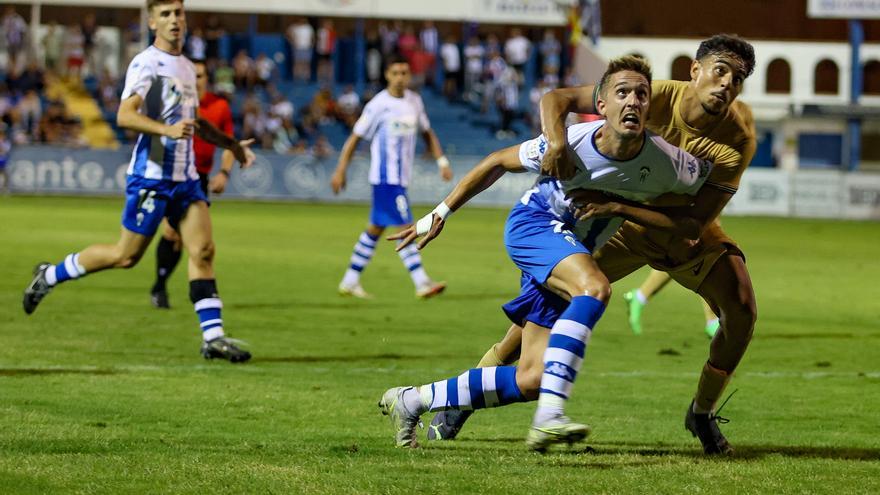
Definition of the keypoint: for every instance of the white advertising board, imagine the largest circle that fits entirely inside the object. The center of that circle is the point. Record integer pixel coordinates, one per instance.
(762, 192)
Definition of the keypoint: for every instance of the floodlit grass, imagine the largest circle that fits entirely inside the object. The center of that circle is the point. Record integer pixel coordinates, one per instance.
(100, 393)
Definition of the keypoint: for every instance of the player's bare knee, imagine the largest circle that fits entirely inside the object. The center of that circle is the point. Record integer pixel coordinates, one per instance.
(204, 254)
(127, 260)
(600, 289)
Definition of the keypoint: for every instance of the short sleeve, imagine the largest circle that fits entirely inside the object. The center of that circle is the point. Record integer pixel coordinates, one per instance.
(532, 152)
(368, 122)
(692, 174)
(138, 78)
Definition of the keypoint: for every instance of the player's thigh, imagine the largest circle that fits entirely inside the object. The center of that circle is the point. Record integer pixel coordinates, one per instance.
(169, 233)
(132, 245)
(195, 227)
(728, 287)
(617, 260)
(578, 274)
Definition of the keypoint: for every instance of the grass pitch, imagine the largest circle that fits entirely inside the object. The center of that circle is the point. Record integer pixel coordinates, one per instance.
(100, 393)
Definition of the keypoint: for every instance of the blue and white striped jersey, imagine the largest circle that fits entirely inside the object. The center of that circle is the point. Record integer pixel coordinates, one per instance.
(392, 124)
(659, 168)
(167, 84)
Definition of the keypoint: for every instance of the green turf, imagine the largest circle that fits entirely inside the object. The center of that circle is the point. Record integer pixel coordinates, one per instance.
(99, 393)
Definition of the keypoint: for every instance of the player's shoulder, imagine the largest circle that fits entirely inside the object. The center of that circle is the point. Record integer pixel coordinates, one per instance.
(738, 129)
(667, 88)
(413, 97)
(148, 58)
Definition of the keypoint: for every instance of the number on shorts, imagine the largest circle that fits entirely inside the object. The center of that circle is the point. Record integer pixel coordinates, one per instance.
(146, 200)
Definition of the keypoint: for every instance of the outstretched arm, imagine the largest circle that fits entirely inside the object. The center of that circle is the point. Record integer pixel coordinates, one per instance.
(559, 160)
(486, 173)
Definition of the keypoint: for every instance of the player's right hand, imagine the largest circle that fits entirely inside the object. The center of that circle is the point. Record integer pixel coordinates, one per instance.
(337, 181)
(409, 234)
(559, 161)
(183, 129)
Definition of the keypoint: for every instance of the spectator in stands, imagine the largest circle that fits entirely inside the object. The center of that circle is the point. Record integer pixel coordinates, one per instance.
(53, 43)
(421, 64)
(301, 36)
(451, 67)
(214, 31)
(322, 148)
(32, 78)
(408, 43)
(73, 47)
(89, 29)
(109, 93)
(550, 76)
(7, 108)
(390, 35)
(516, 51)
(196, 47)
(253, 119)
(348, 107)
(492, 43)
(224, 79)
(430, 42)
(473, 68)
(551, 51)
(15, 31)
(492, 79)
(243, 70)
(571, 79)
(325, 48)
(508, 101)
(281, 106)
(265, 70)
(373, 64)
(30, 109)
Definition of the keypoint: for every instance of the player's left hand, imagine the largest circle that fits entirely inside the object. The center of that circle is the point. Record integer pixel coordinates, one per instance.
(218, 183)
(409, 234)
(446, 173)
(596, 210)
(243, 153)
(589, 203)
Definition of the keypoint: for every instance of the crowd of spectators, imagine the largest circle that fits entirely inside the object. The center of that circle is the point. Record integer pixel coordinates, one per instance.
(482, 71)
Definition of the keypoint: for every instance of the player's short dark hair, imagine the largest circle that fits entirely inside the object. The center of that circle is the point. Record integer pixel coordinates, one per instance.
(153, 3)
(731, 44)
(627, 62)
(396, 59)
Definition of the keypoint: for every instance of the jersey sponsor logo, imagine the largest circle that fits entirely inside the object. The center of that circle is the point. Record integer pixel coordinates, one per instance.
(403, 126)
(536, 149)
(692, 167)
(643, 174)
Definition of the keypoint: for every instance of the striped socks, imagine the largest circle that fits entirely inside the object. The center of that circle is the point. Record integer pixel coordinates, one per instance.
(565, 354)
(360, 258)
(68, 269)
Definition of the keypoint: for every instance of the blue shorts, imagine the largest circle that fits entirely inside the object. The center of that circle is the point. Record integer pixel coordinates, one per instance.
(535, 304)
(147, 201)
(390, 206)
(537, 241)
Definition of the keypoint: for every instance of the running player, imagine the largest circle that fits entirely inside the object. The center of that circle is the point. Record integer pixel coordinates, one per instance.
(215, 110)
(391, 120)
(160, 102)
(702, 117)
(616, 155)
(637, 299)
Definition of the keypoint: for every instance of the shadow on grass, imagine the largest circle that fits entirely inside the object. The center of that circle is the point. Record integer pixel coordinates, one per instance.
(352, 358)
(22, 372)
(742, 453)
(819, 335)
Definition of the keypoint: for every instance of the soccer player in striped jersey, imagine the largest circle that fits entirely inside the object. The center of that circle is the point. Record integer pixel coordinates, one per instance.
(391, 120)
(616, 156)
(215, 110)
(160, 102)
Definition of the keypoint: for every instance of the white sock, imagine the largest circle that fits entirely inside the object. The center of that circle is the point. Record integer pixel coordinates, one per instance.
(641, 297)
(351, 277)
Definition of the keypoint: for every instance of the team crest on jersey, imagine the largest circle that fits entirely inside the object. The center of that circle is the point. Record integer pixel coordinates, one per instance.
(644, 172)
(404, 126)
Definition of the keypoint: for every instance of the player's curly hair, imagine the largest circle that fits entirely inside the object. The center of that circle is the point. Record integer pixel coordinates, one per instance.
(731, 44)
(627, 62)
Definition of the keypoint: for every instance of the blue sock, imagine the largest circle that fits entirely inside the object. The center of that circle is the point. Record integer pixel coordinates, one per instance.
(68, 269)
(207, 303)
(565, 354)
(477, 388)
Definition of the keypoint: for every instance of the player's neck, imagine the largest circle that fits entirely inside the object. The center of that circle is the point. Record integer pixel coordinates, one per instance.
(167, 47)
(615, 147)
(395, 92)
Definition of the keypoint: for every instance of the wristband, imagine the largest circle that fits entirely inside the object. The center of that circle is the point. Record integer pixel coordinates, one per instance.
(224, 172)
(423, 226)
(443, 162)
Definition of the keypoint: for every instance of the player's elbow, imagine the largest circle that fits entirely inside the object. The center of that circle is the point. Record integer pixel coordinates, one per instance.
(124, 117)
